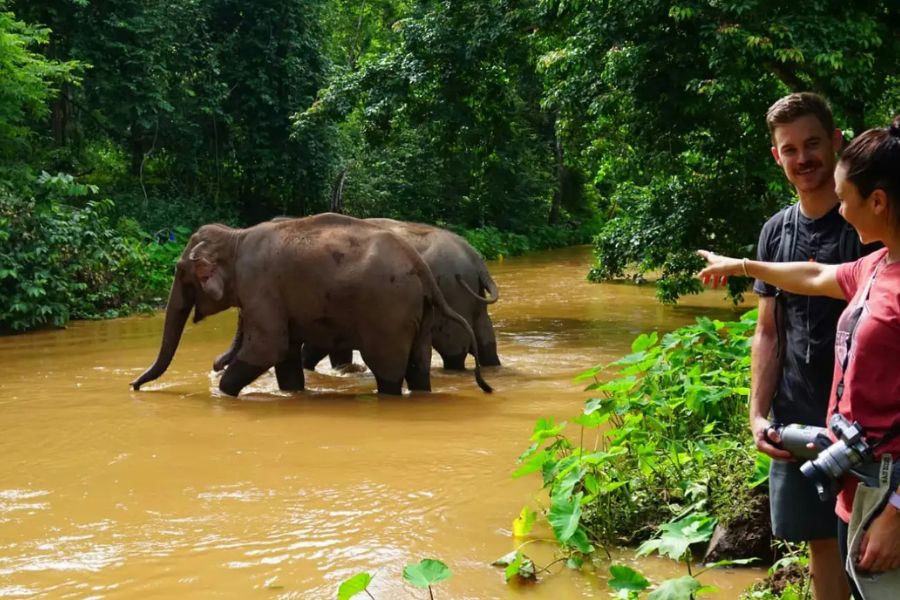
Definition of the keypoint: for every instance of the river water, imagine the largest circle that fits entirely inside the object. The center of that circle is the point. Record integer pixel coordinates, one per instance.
(177, 491)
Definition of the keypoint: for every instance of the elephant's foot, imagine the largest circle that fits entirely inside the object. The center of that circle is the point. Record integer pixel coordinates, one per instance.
(394, 388)
(455, 362)
(488, 355)
(418, 380)
(289, 373)
(238, 375)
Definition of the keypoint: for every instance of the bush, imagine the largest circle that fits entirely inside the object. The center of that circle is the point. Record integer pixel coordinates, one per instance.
(665, 438)
(493, 243)
(59, 262)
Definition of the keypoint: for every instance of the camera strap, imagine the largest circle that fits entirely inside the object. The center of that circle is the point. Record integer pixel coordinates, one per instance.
(854, 319)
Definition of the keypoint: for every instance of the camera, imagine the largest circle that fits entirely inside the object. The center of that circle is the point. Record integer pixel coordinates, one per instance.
(826, 462)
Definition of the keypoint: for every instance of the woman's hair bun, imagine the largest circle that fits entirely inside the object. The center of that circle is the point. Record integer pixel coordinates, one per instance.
(894, 129)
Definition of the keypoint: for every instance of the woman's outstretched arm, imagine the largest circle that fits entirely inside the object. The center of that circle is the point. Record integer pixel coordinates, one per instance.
(805, 278)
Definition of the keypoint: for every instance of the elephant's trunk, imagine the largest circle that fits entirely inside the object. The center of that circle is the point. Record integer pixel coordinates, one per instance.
(177, 310)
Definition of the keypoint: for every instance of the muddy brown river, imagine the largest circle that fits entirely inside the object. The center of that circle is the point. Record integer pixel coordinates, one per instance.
(179, 492)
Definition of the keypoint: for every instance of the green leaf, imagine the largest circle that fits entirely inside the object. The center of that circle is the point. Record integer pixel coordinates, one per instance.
(579, 541)
(517, 564)
(429, 571)
(626, 578)
(545, 428)
(565, 514)
(760, 473)
(682, 588)
(356, 584)
(677, 536)
(644, 341)
(535, 463)
(524, 522)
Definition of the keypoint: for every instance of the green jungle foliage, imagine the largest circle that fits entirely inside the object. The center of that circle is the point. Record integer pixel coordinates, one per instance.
(659, 455)
(667, 102)
(61, 262)
(527, 123)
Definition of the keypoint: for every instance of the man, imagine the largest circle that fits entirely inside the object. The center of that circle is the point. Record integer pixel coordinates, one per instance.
(793, 348)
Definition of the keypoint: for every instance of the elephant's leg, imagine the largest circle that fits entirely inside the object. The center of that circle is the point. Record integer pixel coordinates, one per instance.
(225, 359)
(265, 343)
(418, 369)
(340, 358)
(289, 371)
(385, 348)
(394, 388)
(452, 342)
(313, 355)
(486, 338)
(239, 375)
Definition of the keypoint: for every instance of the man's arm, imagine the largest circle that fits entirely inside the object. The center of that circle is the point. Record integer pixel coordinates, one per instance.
(765, 370)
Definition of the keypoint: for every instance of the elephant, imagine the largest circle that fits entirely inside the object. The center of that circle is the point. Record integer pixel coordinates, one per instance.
(459, 270)
(329, 280)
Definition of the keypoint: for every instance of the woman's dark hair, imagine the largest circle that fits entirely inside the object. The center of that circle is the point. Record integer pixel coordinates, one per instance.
(872, 161)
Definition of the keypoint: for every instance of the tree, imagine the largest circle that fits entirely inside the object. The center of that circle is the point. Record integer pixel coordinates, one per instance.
(667, 103)
(27, 81)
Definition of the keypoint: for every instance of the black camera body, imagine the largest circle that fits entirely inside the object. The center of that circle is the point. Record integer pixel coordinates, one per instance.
(826, 462)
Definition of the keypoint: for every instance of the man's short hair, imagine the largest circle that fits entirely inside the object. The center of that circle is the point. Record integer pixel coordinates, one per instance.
(792, 107)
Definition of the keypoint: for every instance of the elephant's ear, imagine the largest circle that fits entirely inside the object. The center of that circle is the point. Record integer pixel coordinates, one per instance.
(207, 272)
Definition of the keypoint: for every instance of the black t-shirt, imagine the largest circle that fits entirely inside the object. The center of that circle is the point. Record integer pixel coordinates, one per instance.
(809, 321)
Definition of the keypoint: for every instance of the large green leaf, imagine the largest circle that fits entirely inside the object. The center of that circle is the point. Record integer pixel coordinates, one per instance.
(682, 588)
(565, 514)
(429, 571)
(524, 522)
(677, 536)
(626, 578)
(356, 584)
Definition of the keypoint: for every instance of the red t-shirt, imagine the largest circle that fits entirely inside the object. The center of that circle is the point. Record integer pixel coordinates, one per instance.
(872, 381)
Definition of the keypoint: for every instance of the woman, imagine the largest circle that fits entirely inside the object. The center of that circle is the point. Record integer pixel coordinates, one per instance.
(867, 182)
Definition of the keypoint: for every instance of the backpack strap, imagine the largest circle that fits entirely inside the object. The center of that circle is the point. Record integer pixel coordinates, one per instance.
(787, 245)
(849, 248)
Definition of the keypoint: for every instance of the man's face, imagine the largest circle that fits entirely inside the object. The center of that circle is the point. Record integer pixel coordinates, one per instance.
(806, 152)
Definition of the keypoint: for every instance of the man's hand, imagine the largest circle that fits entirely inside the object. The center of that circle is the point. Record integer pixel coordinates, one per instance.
(763, 435)
(880, 547)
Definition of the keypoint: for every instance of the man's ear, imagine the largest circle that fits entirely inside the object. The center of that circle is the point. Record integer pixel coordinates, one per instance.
(837, 140)
(776, 156)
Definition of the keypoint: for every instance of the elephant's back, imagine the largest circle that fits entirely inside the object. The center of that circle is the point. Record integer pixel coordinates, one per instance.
(345, 254)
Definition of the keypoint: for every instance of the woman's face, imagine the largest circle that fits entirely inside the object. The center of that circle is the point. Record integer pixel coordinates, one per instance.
(856, 210)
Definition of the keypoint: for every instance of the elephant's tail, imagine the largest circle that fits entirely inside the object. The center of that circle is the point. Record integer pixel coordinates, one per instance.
(485, 279)
(441, 303)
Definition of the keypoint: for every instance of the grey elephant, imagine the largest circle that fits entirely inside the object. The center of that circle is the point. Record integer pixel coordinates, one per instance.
(463, 277)
(328, 280)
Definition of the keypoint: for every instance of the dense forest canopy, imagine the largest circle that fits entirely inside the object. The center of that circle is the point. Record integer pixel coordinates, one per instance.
(524, 123)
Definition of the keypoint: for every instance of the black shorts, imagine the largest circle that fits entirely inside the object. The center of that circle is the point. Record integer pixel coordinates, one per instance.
(797, 513)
